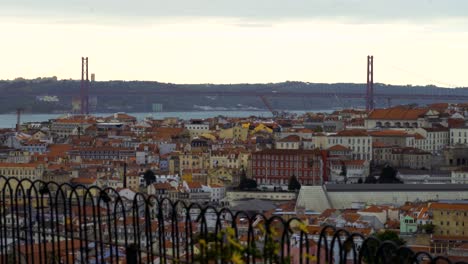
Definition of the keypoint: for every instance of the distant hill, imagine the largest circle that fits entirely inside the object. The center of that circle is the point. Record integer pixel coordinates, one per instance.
(130, 96)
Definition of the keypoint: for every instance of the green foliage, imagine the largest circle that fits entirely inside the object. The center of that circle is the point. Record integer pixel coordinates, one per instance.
(246, 183)
(370, 179)
(149, 177)
(389, 175)
(294, 184)
(344, 171)
(389, 235)
(429, 228)
(318, 129)
(224, 247)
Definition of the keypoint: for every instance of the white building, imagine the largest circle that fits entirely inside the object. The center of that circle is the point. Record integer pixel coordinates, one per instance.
(460, 176)
(436, 138)
(197, 128)
(289, 142)
(355, 170)
(218, 192)
(359, 141)
(459, 135)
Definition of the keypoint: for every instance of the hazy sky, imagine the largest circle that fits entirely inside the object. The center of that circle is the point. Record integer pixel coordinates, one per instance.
(221, 41)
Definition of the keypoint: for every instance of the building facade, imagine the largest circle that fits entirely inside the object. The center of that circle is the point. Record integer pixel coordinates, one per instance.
(277, 166)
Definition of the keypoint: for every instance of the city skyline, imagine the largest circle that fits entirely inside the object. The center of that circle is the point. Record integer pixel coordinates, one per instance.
(420, 43)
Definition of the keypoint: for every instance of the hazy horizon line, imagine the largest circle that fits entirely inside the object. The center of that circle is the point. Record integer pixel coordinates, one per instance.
(238, 83)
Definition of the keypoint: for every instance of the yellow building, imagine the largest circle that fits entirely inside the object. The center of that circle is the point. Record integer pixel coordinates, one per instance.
(262, 128)
(133, 182)
(450, 219)
(240, 133)
(193, 161)
(187, 177)
(220, 176)
(227, 133)
(30, 171)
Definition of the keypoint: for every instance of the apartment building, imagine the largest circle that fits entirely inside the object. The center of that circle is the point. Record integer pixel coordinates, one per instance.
(197, 128)
(459, 176)
(399, 138)
(277, 166)
(359, 141)
(459, 136)
(402, 117)
(450, 219)
(66, 127)
(434, 138)
(31, 171)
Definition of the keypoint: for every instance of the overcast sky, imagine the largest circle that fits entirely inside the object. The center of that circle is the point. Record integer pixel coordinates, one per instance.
(220, 41)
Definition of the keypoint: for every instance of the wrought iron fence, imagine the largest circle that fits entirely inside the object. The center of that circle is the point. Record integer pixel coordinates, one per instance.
(46, 222)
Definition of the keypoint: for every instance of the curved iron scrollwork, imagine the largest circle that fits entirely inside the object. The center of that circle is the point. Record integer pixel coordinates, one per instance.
(46, 222)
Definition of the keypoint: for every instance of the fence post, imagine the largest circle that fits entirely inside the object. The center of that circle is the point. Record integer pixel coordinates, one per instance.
(131, 253)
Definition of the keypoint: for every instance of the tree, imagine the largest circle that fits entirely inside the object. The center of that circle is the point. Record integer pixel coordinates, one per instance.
(360, 181)
(318, 129)
(149, 177)
(246, 183)
(389, 235)
(294, 184)
(370, 179)
(389, 175)
(429, 228)
(344, 172)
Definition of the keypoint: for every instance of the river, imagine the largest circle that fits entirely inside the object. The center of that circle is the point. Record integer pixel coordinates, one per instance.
(9, 120)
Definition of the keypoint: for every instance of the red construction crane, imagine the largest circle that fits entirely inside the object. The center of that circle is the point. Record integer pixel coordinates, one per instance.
(268, 105)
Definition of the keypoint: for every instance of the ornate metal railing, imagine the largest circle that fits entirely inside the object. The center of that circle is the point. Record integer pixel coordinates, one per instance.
(46, 222)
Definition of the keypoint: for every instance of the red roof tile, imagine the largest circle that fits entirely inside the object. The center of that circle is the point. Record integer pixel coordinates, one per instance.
(398, 113)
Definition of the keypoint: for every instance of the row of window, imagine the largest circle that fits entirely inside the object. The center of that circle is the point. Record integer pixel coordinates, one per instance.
(448, 223)
(448, 232)
(349, 141)
(312, 181)
(16, 172)
(286, 173)
(456, 213)
(256, 157)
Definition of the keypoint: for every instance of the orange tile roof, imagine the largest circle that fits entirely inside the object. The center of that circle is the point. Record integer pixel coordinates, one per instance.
(398, 113)
(439, 106)
(290, 138)
(18, 165)
(352, 133)
(447, 206)
(418, 136)
(76, 120)
(194, 185)
(351, 217)
(327, 213)
(338, 148)
(83, 180)
(372, 209)
(59, 149)
(162, 186)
